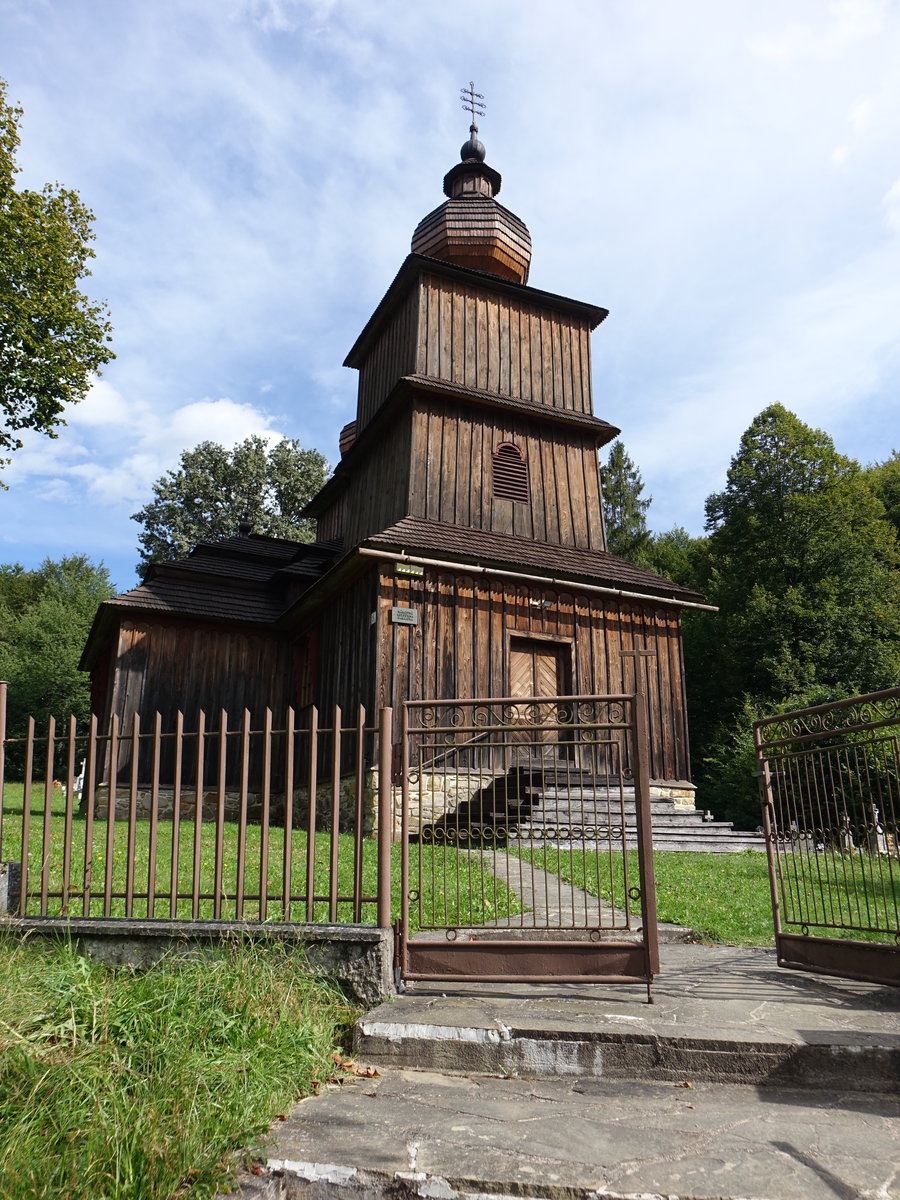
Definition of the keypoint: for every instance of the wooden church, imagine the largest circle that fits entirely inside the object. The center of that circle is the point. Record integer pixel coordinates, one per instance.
(461, 549)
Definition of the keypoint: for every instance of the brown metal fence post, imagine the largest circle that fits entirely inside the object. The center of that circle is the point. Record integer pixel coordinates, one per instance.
(385, 821)
(641, 734)
(767, 811)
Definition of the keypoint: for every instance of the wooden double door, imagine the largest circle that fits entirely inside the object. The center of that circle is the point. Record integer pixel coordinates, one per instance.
(539, 668)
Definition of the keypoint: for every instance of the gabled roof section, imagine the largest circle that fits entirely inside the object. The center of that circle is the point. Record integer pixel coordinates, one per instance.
(415, 265)
(245, 580)
(478, 547)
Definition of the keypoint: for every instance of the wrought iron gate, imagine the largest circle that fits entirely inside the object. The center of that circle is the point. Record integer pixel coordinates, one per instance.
(526, 842)
(831, 805)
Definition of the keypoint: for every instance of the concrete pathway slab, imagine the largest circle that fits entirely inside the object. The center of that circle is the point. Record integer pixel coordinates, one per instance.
(726, 1014)
(437, 1136)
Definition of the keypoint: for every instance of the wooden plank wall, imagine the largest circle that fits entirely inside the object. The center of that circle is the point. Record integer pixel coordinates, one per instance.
(460, 647)
(391, 357)
(378, 494)
(168, 666)
(472, 336)
(346, 657)
(451, 475)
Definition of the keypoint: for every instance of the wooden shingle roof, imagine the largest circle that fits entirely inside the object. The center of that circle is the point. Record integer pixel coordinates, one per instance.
(465, 545)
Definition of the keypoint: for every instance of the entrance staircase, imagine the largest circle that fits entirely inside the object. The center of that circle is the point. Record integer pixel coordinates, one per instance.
(569, 805)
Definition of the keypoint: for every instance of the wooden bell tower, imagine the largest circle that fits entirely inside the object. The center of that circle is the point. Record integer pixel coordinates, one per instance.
(468, 494)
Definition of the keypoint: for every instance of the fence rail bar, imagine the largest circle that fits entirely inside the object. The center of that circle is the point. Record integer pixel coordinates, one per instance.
(154, 817)
(311, 810)
(220, 815)
(288, 815)
(360, 813)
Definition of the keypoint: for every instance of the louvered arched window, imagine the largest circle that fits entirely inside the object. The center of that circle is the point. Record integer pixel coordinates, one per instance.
(510, 474)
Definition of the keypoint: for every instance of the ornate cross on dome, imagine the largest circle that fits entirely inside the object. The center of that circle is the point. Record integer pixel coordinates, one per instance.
(473, 102)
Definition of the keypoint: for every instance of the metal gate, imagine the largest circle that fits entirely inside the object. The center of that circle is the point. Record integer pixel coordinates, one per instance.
(526, 842)
(831, 803)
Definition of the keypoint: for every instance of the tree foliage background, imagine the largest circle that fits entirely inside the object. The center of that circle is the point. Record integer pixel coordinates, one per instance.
(801, 558)
(214, 489)
(45, 617)
(52, 337)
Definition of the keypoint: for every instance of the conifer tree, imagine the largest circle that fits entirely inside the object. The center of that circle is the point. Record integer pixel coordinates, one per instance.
(624, 510)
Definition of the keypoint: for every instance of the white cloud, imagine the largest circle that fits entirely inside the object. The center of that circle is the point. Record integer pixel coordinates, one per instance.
(826, 36)
(890, 206)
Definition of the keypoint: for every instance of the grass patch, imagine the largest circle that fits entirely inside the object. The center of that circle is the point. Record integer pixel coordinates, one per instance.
(724, 897)
(130, 1085)
(438, 868)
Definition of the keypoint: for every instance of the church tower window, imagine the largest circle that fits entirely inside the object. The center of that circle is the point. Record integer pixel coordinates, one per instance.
(510, 474)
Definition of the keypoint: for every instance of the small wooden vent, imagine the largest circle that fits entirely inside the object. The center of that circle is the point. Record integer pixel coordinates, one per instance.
(510, 480)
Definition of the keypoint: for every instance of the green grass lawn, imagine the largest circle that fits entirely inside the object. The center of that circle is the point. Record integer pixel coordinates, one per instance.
(434, 870)
(125, 1085)
(726, 897)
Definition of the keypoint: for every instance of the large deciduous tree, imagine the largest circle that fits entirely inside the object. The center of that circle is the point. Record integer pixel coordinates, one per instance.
(45, 616)
(624, 510)
(215, 489)
(804, 566)
(52, 337)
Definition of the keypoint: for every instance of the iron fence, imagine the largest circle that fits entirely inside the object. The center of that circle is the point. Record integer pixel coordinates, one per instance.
(517, 817)
(831, 791)
(237, 819)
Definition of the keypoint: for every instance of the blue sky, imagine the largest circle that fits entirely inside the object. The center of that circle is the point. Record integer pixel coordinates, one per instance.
(725, 178)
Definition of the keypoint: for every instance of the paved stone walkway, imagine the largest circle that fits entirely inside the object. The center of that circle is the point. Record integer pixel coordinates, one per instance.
(742, 1081)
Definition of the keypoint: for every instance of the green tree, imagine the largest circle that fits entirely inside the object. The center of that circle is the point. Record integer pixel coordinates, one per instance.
(214, 489)
(804, 567)
(52, 338)
(47, 614)
(884, 480)
(624, 511)
(678, 556)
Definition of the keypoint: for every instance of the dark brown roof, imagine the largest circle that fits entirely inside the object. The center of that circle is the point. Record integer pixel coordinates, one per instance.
(503, 550)
(201, 598)
(244, 580)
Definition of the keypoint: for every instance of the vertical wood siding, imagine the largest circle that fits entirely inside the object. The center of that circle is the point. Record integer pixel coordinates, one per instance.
(378, 494)
(165, 666)
(461, 645)
(469, 335)
(392, 356)
(455, 330)
(452, 447)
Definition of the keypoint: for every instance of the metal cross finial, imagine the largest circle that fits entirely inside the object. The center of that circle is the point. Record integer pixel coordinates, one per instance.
(473, 102)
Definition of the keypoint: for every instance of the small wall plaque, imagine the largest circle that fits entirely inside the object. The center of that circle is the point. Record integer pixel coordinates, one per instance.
(404, 616)
(405, 568)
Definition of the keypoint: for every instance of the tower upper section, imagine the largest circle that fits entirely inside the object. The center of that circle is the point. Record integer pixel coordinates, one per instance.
(470, 228)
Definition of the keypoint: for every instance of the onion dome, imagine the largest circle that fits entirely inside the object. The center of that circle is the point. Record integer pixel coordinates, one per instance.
(471, 228)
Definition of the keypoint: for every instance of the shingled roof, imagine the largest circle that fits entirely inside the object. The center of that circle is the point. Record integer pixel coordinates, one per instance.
(246, 580)
(476, 546)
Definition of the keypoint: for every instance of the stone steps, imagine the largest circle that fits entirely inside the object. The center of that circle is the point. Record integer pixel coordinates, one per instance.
(567, 815)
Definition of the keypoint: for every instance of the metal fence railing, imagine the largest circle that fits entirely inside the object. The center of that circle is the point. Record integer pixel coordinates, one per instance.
(831, 785)
(236, 818)
(526, 839)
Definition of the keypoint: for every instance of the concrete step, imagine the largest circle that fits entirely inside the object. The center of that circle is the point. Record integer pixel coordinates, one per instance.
(420, 1135)
(720, 1015)
(588, 1092)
